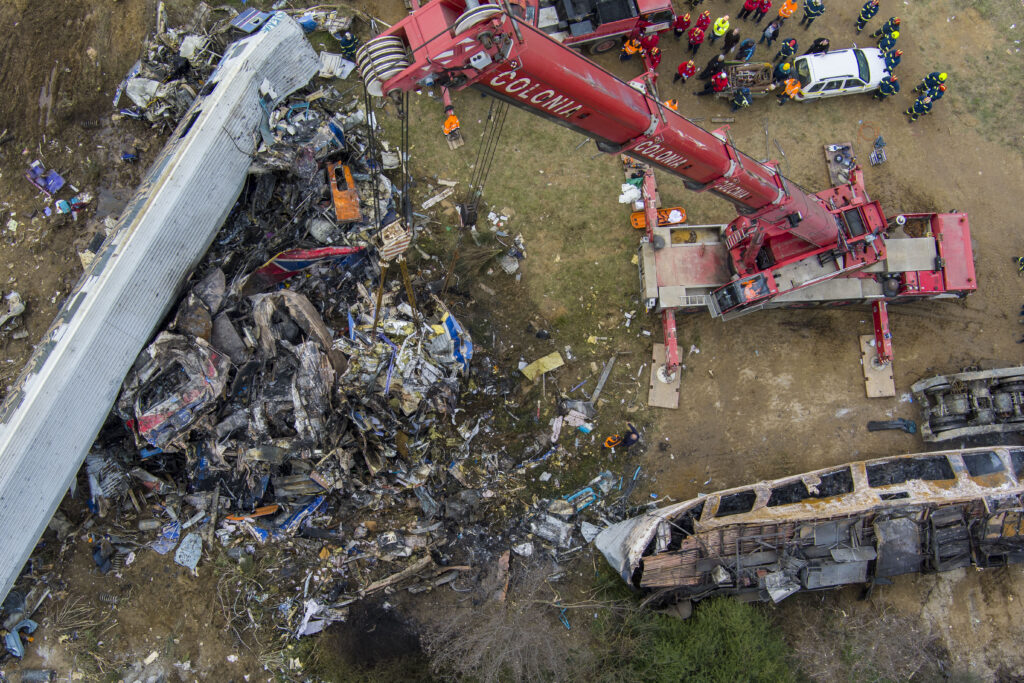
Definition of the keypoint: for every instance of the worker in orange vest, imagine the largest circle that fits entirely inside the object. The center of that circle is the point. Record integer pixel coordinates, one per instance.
(629, 48)
(451, 123)
(790, 90)
(786, 11)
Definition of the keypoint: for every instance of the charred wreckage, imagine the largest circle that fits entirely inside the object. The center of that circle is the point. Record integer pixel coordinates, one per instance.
(860, 523)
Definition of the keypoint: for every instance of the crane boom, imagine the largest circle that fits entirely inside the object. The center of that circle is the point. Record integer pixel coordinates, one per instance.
(783, 239)
(485, 47)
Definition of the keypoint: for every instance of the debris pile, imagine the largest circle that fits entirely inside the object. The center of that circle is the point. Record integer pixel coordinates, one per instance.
(301, 411)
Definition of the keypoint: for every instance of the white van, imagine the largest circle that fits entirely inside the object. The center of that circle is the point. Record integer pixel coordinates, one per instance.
(842, 72)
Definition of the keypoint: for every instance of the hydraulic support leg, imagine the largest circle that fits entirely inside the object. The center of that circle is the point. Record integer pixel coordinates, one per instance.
(883, 337)
(668, 323)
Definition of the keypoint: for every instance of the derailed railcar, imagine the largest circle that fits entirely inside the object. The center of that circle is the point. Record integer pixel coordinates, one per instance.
(853, 524)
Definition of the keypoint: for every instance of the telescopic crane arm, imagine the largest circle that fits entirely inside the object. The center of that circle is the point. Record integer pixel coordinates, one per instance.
(461, 44)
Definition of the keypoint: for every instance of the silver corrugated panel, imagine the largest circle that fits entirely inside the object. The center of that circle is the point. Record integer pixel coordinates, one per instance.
(50, 419)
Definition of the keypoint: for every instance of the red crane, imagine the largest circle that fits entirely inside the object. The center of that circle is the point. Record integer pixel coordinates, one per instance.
(784, 238)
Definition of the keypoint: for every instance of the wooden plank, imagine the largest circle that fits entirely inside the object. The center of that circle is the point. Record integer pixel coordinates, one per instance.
(878, 382)
(661, 394)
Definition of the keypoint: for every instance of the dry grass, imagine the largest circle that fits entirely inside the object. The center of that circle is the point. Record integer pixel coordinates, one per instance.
(514, 640)
(837, 642)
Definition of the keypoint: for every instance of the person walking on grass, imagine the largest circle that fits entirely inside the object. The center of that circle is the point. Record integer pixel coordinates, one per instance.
(931, 81)
(741, 99)
(922, 106)
(782, 71)
(812, 10)
(867, 12)
(787, 49)
(745, 50)
(790, 89)
(732, 38)
(763, 8)
(714, 65)
(715, 85)
(890, 26)
(680, 25)
(684, 72)
(770, 34)
(704, 20)
(888, 41)
(818, 47)
(786, 10)
(748, 7)
(720, 28)
(887, 87)
(696, 37)
(893, 59)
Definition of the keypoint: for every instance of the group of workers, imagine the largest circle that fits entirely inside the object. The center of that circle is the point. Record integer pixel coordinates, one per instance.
(704, 29)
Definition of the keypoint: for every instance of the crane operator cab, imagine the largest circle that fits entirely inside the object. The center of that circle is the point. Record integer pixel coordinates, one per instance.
(739, 294)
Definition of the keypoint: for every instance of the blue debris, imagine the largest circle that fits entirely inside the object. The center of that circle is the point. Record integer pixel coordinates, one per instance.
(13, 639)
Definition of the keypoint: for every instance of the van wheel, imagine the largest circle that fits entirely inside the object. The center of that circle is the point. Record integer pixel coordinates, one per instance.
(602, 46)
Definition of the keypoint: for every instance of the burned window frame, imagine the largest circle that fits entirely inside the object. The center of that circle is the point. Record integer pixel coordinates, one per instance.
(902, 470)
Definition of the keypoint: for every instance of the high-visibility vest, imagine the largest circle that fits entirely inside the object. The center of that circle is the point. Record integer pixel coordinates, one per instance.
(792, 87)
(787, 9)
(451, 123)
(631, 47)
(721, 26)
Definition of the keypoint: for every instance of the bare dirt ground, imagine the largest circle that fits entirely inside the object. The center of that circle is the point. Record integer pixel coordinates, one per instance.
(771, 394)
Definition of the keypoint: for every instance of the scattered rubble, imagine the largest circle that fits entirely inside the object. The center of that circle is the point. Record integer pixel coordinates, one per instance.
(298, 405)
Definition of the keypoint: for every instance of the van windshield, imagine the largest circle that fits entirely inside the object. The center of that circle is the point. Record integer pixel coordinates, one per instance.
(862, 66)
(803, 74)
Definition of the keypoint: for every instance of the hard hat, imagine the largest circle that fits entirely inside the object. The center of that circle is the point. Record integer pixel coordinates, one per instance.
(449, 109)
(896, 20)
(942, 88)
(927, 98)
(899, 53)
(786, 66)
(690, 62)
(893, 79)
(942, 76)
(895, 34)
(686, 16)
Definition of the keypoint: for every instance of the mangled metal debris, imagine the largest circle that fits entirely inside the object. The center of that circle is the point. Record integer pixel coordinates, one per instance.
(858, 523)
(75, 373)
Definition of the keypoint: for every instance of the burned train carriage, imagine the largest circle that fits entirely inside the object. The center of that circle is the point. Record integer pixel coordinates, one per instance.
(853, 524)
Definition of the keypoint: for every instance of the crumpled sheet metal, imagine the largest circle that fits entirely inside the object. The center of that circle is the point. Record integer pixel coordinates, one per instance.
(301, 311)
(190, 375)
(311, 390)
(623, 544)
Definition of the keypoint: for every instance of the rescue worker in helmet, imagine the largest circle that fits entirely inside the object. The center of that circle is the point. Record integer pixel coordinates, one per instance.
(451, 122)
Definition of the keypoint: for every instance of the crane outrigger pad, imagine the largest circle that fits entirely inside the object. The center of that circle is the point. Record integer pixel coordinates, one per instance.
(878, 382)
(662, 394)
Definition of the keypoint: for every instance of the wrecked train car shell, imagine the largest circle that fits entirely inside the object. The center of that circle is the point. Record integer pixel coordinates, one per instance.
(856, 523)
(52, 414)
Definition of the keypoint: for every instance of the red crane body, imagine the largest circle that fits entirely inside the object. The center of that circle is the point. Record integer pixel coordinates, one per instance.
(462, 43)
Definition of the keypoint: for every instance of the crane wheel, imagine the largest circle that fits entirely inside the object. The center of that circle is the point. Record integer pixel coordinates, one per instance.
(601, 46)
